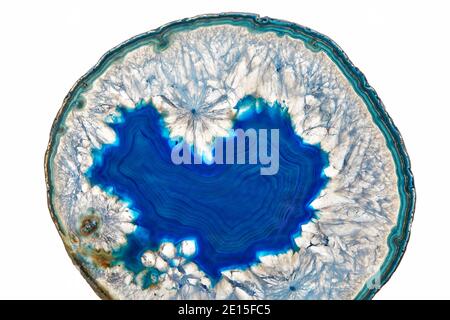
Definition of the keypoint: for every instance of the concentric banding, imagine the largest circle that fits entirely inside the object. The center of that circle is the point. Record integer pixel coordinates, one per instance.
(364, 212)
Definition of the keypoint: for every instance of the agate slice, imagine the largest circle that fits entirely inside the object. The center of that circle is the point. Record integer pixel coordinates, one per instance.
(229, 157)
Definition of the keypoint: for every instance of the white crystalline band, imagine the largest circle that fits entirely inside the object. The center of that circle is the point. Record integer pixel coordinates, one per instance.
(210, 69)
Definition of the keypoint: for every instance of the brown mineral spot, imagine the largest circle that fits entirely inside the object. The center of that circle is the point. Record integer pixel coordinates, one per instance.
(73, 237)
(89, 225)
(102, 258)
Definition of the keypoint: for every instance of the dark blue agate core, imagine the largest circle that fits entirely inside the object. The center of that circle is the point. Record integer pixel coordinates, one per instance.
(232, 211)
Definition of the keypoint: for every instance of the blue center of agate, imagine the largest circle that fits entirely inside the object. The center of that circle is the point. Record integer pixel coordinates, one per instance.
(232, 211)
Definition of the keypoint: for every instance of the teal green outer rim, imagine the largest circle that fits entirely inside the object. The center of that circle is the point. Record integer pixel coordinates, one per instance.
(399, 236)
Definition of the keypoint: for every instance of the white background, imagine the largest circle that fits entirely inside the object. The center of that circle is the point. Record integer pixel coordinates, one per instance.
(402, 48)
